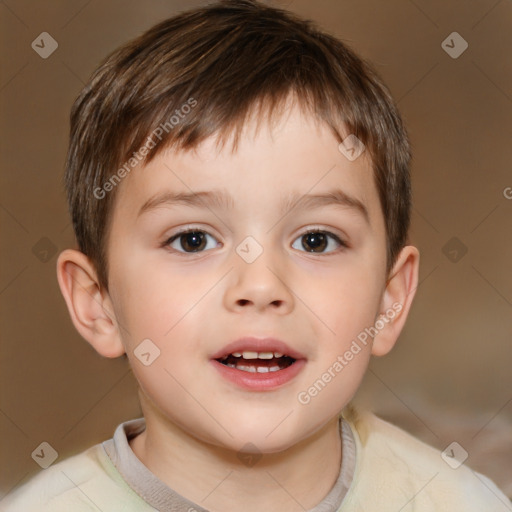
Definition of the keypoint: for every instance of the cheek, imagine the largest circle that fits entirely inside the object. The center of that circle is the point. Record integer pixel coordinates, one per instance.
(153, 300)
(346, 303)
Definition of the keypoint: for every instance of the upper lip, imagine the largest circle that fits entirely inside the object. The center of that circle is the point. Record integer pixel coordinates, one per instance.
(252, 344)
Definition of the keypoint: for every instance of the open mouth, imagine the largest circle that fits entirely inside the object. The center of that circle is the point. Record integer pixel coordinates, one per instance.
(257, 362)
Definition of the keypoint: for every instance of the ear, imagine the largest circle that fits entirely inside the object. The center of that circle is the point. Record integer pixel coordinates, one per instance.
(89, 306)
(396, 300)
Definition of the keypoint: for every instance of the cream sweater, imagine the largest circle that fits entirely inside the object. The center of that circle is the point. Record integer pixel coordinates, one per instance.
(384, 469)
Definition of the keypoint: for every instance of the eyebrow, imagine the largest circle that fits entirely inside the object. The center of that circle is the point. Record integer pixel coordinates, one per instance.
(221, 199)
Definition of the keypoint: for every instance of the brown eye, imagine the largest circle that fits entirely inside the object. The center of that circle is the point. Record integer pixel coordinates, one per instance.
(193, 241)
(314, 242)
(190, 241)
(319, 242)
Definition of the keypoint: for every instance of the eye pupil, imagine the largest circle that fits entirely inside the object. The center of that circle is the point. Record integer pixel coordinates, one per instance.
(193, 241)
(315, 241)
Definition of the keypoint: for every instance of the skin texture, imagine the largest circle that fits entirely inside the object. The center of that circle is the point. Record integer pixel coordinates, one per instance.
(193, 304)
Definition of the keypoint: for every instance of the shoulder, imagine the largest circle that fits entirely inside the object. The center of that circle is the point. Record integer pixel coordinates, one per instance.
(398, 470)
(84, 482)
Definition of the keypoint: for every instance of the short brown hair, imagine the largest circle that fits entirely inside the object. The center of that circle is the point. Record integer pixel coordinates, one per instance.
(227, 57)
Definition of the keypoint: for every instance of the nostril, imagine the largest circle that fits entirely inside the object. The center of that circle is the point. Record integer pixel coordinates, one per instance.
(243, 302)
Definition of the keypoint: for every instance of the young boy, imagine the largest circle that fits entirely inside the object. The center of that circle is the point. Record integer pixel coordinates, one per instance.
(239, 188)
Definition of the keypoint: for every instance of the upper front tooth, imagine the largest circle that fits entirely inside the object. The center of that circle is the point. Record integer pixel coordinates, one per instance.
(257, 355)
(250, 355)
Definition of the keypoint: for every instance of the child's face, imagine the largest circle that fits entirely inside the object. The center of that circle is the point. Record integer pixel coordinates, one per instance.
(192, 305)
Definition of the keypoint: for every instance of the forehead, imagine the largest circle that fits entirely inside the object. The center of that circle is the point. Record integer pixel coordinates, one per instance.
(271, 166)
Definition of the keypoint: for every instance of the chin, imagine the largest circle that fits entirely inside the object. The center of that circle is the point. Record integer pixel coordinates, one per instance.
(265, 437)
(260, 446)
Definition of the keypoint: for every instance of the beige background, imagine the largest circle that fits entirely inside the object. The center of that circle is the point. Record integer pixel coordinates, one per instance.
(449, 378)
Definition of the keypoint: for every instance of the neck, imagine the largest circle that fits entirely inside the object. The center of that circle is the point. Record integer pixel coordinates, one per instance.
(215, 478)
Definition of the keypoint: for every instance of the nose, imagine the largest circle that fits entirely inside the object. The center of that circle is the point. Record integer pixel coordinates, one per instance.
(261, 285)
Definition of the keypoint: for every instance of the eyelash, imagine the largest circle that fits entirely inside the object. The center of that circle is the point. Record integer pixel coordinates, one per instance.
(329, 234)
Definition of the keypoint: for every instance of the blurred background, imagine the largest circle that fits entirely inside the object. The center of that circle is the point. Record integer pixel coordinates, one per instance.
(448, 65)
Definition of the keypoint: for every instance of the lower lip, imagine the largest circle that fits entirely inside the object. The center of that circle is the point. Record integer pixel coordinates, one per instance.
(259, 381)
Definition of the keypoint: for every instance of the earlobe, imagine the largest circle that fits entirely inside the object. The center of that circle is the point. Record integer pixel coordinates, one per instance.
(90, 309)
(397, 299)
